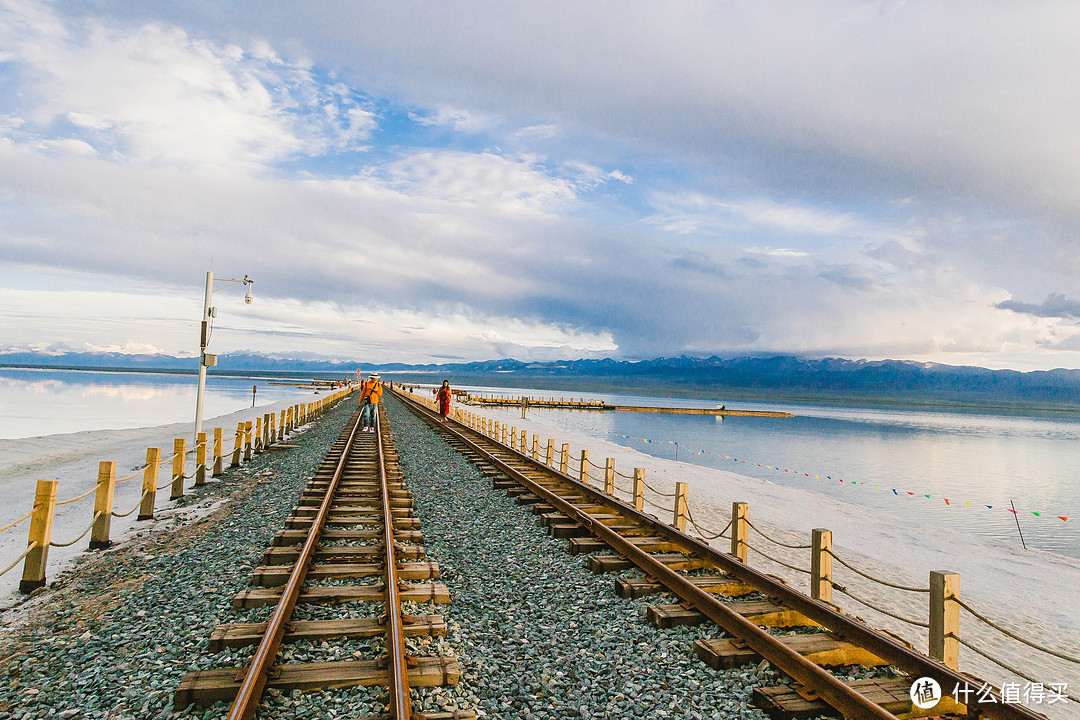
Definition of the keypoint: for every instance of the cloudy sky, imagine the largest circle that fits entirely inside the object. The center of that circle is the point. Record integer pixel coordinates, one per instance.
(469, 180)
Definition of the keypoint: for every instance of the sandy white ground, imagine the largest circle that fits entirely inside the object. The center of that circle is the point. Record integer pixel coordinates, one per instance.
(73, 458)
(1034, 593)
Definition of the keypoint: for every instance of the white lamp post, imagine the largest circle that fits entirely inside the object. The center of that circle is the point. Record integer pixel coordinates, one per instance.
(206, 360)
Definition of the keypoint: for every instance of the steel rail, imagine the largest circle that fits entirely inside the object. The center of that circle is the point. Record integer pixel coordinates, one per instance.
(397, 663)
(887, 648)
(247, 697)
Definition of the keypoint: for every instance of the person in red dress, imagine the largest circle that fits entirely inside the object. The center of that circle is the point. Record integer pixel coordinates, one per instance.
(443, 398)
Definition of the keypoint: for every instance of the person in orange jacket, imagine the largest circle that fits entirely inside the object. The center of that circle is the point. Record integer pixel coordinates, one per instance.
(370, 393)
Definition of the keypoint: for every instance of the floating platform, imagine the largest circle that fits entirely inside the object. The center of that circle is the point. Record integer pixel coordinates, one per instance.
(583, 404)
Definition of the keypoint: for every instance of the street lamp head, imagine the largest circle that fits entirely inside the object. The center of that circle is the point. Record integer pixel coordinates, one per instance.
(249, 298)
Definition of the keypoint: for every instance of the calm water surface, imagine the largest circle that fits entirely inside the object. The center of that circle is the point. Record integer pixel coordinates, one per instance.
(981, 459)
(46, 402)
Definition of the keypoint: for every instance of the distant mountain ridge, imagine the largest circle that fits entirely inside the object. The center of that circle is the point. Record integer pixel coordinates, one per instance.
(777, 377)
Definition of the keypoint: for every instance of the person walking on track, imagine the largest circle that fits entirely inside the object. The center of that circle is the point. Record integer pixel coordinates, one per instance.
(442, 396)
(369, 402)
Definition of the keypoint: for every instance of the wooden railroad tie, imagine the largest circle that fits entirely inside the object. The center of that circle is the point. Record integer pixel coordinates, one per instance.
(822, 648)
(297, 536)
(276, 575)
(244, 634)
(340, 553)
(633, 588)
(763, 613)
(648, 544)
(786, 702)
(615, 563)
(205, 687)
(333, 594)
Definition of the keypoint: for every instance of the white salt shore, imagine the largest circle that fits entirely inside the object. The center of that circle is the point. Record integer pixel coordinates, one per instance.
(1031, 592)
(73, 458)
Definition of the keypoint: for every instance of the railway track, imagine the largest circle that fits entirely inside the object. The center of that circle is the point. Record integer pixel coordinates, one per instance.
(708, 582)
(352, 538)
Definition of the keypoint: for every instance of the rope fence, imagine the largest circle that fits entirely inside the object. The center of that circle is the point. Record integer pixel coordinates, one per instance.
(1004, 631)
(778, 562)
(706, 534)
(13, 524)
(867, 603)
(45, 502)
(135, 474)
(658, 492)
(84, 532)
(775, 541)
(653, 505)
(1001, 663)
(137, 506)
(76, 498)
(879, 581)
(27, 551)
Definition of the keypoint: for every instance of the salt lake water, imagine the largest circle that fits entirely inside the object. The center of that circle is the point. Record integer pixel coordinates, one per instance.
(35, 402)
(895, 458)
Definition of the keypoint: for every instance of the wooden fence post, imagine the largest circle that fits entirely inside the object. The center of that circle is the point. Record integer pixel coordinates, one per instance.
(149, 483)
(549, 458)
(678, 518)
(945, 618)
(503, 436)
(536, 447)
(821, 564)
(639, 489)
(523, 444)
(103, 505)
(281, 428)
(40, 536)
(513, 437)
(219, 457)
(179, 459)
(258, 434)
(238, 445)
(247, 441)
(268, 430)
(609, 476)
(564, 458)
(739, 530)
(200, 460)
(583, 470)
(495, 431)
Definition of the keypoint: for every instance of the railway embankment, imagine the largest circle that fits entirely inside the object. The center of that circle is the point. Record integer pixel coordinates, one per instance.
(114, 635)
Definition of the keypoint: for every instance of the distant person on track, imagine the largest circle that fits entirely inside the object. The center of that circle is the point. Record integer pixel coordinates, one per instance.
(442, 396)
(370, 393)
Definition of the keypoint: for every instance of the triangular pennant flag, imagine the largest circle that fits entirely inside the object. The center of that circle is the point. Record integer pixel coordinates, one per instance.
(1064, 517)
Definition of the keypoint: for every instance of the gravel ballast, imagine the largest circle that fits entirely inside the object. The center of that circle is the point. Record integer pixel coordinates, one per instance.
(536, 633)
(113, 637)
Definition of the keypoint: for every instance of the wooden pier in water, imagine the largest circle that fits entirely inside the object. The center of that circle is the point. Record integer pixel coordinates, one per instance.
(583, 404)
